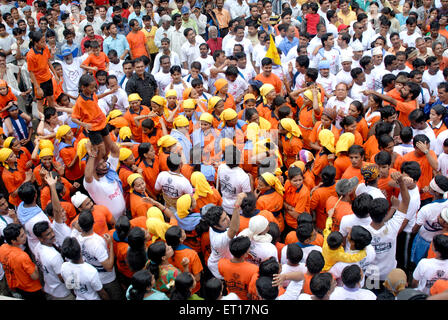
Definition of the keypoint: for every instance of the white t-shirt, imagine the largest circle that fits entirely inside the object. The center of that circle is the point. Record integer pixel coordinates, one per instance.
(50, 262)
(286, 268)
(433, 80)
(107, 193)
(206, 63)
(94, 251)
(231, 296)
(246, 43)
(4, 221)
(429, 271)
(344, 76)
(163, 81)
(260, 251)
(173, 185)
(439, 142)
(403, 149)
(350, 220)
(306, 251)
(219, 245)
(384, 241)
(443, 164)
(33, 241)
(328, 83)
(231, 183)
(373, 191)
(292, 291)
(117, 70)
(414, 205)
(427, 218)
(333, 56)
(344, 293)
(356, 93)
(429, 133)
(409, 39)
(72, 73)
(122, 102)
(248, 72)
(83, 279)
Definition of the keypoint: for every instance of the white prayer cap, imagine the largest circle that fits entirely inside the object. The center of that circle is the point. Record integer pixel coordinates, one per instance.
(346, 58)
(377, 51)
(357, 46)
(78, 198)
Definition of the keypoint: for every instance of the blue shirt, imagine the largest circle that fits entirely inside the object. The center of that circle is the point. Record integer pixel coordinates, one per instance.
(138, 18)
(119, 44)
(286, 45)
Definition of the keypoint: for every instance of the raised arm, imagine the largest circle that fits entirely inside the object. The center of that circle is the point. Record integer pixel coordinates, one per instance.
(235, 221)
(57, 208)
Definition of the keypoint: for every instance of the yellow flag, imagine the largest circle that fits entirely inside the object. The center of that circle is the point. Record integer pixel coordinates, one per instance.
(272, 52)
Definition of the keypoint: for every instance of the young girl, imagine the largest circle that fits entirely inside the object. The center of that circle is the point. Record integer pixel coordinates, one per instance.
(74, 167)
(11, 176)
(139, 207)
(141, 287)
(39, 67)
(290, 140)
(88, 114)
(342, 162)
(270, 196)
(436, 116)
(184, 286)
(327, 122)
(49, 123)
(356, 110)
(222, 86)
(296, 197)
(349, 124)
(206, 136)
(24, 162)
(325, 156)
(216, 107)
(203, 192)
(373, 114)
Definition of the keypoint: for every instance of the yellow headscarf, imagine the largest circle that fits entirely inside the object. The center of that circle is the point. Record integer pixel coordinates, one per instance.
(309, 94)
(273, 181)
(299, 164)
(7, 142)
(62, 131)
(81, 150)
(134, 97)
(291, 126)
(225, 142)
(346, 140)
(171, 93)
(124, 154)
(326, 139)
(228, 114)
(132, 178)
(200, 184)
(44, 143)
(265, 89)
(220, 83)
(161, 101)
(166, 141)
(181, 121)
(264, 124)
(260, 146)
(249, 96)
(114, 114)
(183, 205)
(45, 152)
(125, 132)
(212, 102)
(207, 117)
(253, 131)
(4, 155)
(155, 223)
(189, 104)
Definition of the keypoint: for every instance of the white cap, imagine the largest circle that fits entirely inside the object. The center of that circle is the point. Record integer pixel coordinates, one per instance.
(444, 214)
(377, 51)
(357, 46)
(78, 198)
(346, 58)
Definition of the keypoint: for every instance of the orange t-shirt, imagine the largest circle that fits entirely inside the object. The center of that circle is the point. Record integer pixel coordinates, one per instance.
(291, 237)
(318, 201)
(12, 180)
(77, 170)
(439, 286)
(22, 158)
(86, 109)
(237, 276)
(383, 184)
(214, 198)
(272, 201)
(4, 100)
(431, 253)
(38, 64)
(299, 199)
(97, 61)
(152, 138)
(45, 193)
(314, 136)
(121, 252)
(320, 162)
(371, 147)
(306, 123)
(351, 172)
(342, 209)
(291, 148)
(341, 163)
(137, 43)
(138, 206)
(363, 128)
(405, 109)
(194, 267)
(252, 290)
(136, 130)
(150, 173)
(101, 216)
(309, 180)
(272, 79)
(18, 268)
(425, 167)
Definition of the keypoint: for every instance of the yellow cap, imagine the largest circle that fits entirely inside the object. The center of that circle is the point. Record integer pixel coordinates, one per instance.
(7, 143)
(326, 139)
(81, 150)
(252, 131)
(181, 121)
(166, 141)
(228, 114)
(134, 97)
(183, 205)
(4, 155)
(212, 102)
(125, 132)
(171, 93)
(62, 131)
(161, 101)
(119, 122)
(189, 104)
(291, 126)
(207, 117)
(114, 114)
(45, 152)
(345, 141)
(249, 96)
(124, 154)
(220, 83)
(133, 177)
(44, 143)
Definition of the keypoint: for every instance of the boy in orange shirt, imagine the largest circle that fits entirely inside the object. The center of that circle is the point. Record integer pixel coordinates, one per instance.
(356, 155)
(345, 188)
(268, 77)
(237, 272)
(97, 60)
(137, 40)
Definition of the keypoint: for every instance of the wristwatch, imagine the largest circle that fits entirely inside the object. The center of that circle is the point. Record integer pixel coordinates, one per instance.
(426, 152)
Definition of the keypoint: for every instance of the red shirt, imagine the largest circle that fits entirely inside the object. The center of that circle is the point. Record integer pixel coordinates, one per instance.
(214, 44)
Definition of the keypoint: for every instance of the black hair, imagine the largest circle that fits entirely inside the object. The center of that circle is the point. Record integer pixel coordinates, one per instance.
(155, 253)
(49, 112)
(238, 246)
(122, 227)
(173, 162)
(182, 286)
(140, 282)
(383, 158)
(440, 243)
(359, 107)
(320, 284)
(312, 73)
(196, 65)
(378, 209)
(328, 175)
(351, 276)
(71, 249)
(212, 289)
(174, 69)
(248, 205)
(136, 255)
(420, 138)
(382, 128)
(334, 240)
(85, 220)
(355, 72)
(347, 121)
(417, 115)
(388, 79)
(294, 172)
(365, 61)
(232, 156)
(412, 169)
(85, 80)
(173, 235)
(361, 205)
(361, 237)
(384, 140)
(304, 231)
(269, 267)
(265, 288)
(294, 253)
(213, 215)
(266, 62)
(11, 232)
(315, 262)
(274, 231)
(40, 227)
(27, 192)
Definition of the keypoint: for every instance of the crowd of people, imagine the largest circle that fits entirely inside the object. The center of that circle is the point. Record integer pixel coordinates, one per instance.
(224, 150)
